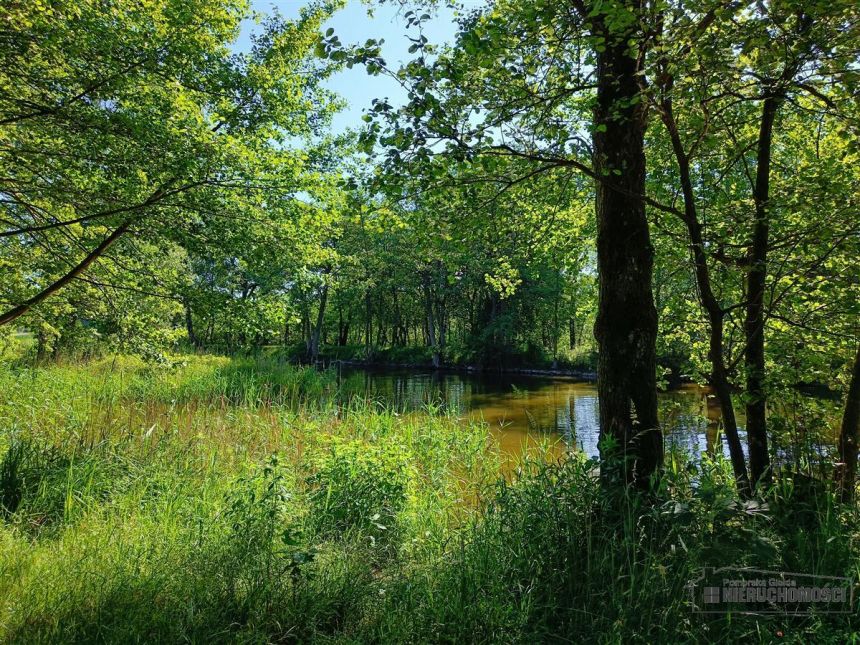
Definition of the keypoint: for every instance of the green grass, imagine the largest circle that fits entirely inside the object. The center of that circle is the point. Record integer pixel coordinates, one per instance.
(229, 500)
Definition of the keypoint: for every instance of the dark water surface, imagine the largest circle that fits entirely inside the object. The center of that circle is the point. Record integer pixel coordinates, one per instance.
(524, 410)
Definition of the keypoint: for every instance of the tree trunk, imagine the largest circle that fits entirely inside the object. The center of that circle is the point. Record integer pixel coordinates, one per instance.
(343, 325)
(431, 322)
(314, 347)
(189, 323)
(626, 325)
(846, 473)
(41, 345)
(442, 317)
(306, 327)
(343, 330)
(756, 405)
(396, 331)
(556, 330)
(368, 324)
(716, 314)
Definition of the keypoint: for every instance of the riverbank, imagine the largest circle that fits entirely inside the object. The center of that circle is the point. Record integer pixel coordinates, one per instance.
(587, 376)
(580, 363)
(227, 499)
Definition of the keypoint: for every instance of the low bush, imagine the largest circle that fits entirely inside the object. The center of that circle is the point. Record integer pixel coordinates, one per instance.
(356, 488)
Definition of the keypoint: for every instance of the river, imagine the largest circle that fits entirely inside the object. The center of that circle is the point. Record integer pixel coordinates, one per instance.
(524, 410)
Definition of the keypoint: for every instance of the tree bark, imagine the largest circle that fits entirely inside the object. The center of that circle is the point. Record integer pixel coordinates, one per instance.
(756, 405)
(626, 325)
(314, 346)
(846, 472)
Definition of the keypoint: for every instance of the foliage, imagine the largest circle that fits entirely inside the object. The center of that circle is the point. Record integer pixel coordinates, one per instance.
(163, 193)
(353, 489)
(134, 142)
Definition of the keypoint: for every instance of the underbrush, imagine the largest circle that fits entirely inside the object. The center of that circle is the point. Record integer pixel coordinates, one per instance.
(215, 499)
(238, 500)
(554, 558)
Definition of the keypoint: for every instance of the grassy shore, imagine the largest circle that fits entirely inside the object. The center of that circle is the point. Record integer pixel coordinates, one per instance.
(222, 499)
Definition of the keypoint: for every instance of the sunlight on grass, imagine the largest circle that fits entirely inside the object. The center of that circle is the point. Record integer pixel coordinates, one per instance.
(243, 499)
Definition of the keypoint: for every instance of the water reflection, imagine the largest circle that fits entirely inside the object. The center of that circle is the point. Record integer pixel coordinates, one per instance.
(525, 410)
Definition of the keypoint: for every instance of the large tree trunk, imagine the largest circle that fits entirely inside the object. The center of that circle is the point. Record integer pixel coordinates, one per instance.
(756, 406)
(556, 331)
(847, 470)
(626, 325)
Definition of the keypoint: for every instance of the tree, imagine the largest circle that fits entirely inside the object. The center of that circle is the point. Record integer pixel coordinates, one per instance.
(508, 91)
(849, 434)
(719, 83)
(626, 325)
(139, 122)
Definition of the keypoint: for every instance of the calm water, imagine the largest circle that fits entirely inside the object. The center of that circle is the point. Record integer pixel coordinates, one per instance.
(523, 410)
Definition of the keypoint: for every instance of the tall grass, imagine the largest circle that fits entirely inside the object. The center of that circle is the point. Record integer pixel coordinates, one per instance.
(553, 558)
(220, 499)
(243, 500)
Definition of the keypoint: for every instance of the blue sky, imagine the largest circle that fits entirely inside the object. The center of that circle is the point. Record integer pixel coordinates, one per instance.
(352, 24)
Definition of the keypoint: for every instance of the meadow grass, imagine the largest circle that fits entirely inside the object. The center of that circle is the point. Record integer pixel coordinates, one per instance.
(241, 499)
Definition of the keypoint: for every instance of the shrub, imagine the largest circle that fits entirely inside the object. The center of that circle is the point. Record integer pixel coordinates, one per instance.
(358, 486)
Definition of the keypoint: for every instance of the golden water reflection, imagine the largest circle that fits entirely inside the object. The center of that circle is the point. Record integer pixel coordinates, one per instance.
(532, 411)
